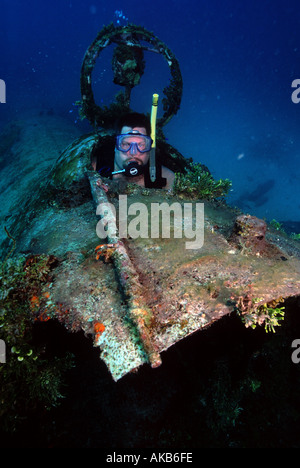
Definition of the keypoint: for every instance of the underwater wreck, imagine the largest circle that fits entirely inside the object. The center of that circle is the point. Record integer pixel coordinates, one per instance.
(135, 296)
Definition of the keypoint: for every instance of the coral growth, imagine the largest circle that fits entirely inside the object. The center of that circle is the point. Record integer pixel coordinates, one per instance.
(23, 300)
(98, 329)
(249, 234)
(196, 182)
(255, 312)
(105, 251)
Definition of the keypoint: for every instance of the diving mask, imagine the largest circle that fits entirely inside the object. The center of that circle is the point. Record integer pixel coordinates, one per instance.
(142, 143)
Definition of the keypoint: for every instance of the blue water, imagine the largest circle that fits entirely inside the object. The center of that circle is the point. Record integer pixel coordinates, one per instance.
(238, 60)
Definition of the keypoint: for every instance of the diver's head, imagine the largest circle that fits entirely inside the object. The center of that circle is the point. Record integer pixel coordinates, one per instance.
(134, 119)
(133, 142)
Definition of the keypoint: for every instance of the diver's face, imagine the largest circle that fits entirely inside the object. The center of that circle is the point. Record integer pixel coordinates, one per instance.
(122, 159)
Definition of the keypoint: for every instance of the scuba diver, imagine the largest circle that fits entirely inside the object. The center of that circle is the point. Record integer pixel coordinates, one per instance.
(131, 159)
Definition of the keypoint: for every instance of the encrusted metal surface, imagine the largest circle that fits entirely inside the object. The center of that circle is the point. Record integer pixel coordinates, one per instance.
(139, 296)
(169, 292)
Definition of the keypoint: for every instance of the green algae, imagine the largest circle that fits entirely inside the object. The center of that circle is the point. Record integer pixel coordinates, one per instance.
(196, 183)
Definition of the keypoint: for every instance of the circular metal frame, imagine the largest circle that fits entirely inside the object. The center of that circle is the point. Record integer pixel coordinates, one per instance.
(131, 36)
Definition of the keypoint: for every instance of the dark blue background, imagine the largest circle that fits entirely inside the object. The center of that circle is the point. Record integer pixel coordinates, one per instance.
(238, 60)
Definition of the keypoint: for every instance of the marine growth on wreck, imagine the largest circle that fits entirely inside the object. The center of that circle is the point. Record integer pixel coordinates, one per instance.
(134, 297)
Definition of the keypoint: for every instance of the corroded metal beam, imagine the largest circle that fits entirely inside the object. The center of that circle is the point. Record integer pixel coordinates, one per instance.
(138, 311)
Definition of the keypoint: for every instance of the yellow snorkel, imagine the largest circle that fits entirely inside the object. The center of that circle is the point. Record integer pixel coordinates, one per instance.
(152, 165)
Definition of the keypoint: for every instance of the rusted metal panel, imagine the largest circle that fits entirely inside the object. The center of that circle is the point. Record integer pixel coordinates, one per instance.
(150, 293)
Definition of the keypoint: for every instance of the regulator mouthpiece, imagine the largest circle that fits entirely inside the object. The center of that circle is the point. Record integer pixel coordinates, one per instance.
(133, 169)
